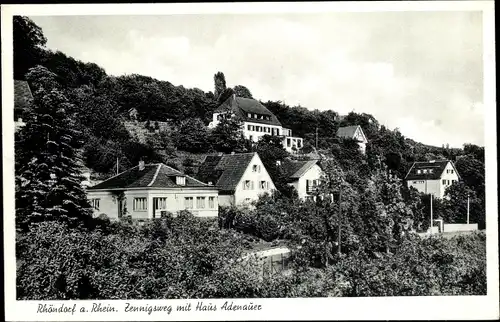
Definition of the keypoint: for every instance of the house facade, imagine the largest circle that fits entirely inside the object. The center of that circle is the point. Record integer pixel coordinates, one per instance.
(241, 178)
(257, 121)
(145, 191)
(432, 177)
(304, 176)
(354, 132)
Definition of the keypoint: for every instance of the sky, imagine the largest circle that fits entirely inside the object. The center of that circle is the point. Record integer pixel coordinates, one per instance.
(420, 72)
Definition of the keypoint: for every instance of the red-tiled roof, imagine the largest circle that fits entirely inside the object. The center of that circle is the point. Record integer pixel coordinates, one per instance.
(242, 106)
(225, 171)
(434, 170)
(153, 175)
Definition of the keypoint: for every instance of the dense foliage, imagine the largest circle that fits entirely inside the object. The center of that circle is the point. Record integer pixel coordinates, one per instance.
(355, 238)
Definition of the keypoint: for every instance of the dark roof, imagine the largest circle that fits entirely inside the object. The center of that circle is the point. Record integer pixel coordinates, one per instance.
(295, 169)
(347, 131)
(241, 106)
(156, 175)
(22, 96)
(437, 167)
(225, 171)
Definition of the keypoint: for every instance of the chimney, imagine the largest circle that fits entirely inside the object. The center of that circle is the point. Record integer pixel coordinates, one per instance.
(141, 165)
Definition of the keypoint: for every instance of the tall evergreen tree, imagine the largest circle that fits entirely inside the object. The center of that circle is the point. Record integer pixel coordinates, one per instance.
(47, 163)
(220, 84)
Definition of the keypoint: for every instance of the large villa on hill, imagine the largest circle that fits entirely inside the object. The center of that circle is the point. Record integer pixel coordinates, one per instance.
(257, 121)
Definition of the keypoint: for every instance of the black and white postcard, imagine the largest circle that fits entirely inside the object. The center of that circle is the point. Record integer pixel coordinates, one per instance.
(250, 161)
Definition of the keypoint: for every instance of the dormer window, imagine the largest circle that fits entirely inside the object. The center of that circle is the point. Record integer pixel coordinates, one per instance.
(249, 115)
(419, 171)
(180, 180)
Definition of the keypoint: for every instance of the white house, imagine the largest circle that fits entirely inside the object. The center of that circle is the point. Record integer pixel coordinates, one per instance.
(257, 121)
(144, 191)
(304, 176)
(432, 177)
(241, 178)
(354, 132)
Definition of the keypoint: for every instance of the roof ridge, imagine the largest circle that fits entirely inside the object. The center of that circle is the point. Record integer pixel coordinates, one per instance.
(116, 175)
(182, 173)
(155, 175)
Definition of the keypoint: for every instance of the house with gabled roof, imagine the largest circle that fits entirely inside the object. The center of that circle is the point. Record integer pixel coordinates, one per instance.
(257, 121)
(432, 177)
(304, 176)
(241, 177)
(354, 132)
(147, 190)
(22, 101)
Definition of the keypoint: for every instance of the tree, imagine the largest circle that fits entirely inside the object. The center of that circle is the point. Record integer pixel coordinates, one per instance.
(242, 91)
(29, 43)
(48, 172)
(228, 137)
(455, 203)
(192, 136)
(220, 84)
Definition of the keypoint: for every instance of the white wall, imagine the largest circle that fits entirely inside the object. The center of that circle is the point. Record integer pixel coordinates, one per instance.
(314, 173)
(240, 194)
(459, 227)
(226, 200)
(107, 203)
(255, 136)
(449, 177)
(175, 202)
(428, 186)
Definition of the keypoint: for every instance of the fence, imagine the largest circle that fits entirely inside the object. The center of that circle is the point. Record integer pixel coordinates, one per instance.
(459, 227)
(273, 261)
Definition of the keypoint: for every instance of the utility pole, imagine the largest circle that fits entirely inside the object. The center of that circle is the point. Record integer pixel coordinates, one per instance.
(117, 165)
(340, 216)
(467, 209)
(316, 138)
(431, 215)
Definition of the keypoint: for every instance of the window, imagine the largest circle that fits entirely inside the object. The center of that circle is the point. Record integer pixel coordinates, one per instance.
(160, 203)
(249, 127)
(425, 170)
(264, 185)
(181, 181)
(188, 202)
(444, 181)
(140, 204)
(288, 142)
(211, 202)
(248, 200)
(200, 202)
(431, 170)
(247, 185)
(250, 137)
(249, 115)
(451, 171)
(256, 168)
(95, 203)
(419, 171)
